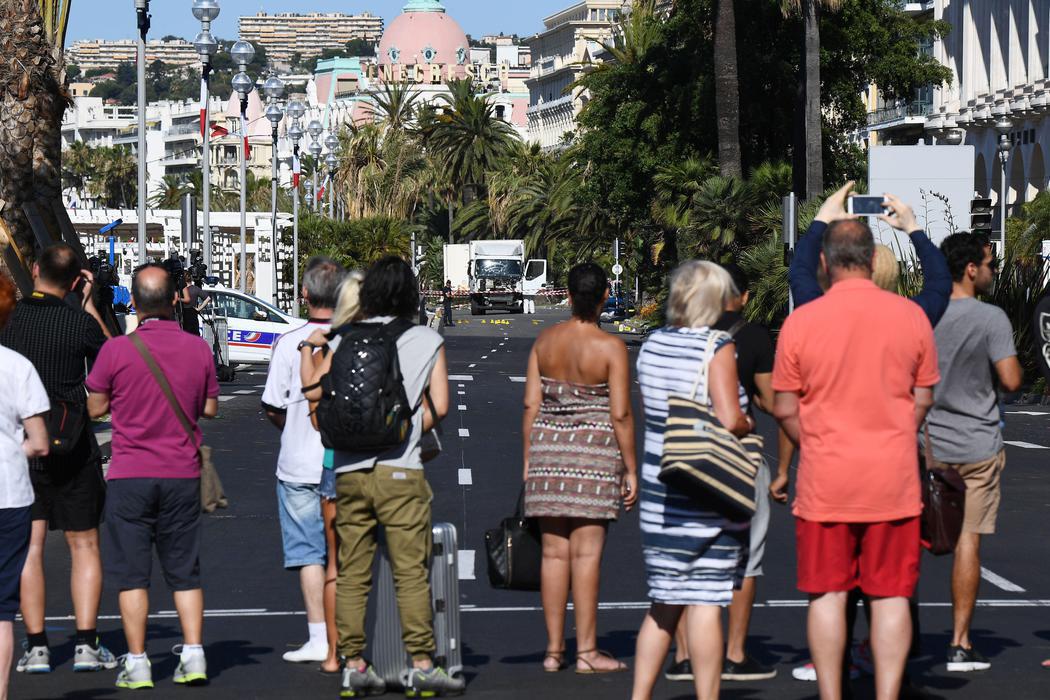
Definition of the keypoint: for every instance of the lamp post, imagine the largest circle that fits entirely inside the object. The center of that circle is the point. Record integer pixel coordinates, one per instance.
(295, 111)
(315, 128)
(206, 11)
(308, 187)
(1003, 125)
(142, 12)
(274, 90)
(242, 53)
(331, 142)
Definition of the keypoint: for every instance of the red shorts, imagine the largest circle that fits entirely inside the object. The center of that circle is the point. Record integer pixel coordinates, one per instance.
(881, 558)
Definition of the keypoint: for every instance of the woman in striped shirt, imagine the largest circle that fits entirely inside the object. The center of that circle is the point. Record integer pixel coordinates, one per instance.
(693, 555)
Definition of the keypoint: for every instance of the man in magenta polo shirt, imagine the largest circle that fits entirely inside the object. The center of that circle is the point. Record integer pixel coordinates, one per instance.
(154, 473)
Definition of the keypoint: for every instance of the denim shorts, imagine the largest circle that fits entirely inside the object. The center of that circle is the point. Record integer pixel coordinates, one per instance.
(327, 487)
(302, 527)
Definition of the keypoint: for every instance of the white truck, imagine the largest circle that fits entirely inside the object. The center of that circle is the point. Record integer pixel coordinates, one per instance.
(498, 276)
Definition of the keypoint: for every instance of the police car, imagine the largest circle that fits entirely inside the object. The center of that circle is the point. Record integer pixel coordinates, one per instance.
(254, 325)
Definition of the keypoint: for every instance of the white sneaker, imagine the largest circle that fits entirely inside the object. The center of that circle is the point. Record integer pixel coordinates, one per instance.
(307, 653)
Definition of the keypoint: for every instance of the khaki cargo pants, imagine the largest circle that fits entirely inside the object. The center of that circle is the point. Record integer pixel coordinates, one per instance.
(399, 500)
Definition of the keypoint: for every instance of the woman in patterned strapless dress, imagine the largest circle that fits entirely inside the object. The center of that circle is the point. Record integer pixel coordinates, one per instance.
(580, 462)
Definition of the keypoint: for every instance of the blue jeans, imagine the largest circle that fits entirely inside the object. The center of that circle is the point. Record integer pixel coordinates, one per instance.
(302, 526)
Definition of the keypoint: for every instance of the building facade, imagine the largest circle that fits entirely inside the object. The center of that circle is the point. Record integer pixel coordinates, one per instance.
(97, 53)
(285, 34)
(999, 55)
(571, 39)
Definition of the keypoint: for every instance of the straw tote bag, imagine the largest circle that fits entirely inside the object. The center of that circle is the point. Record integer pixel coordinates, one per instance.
(704, 460)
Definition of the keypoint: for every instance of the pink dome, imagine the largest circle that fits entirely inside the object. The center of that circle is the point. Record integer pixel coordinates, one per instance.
(425, 34)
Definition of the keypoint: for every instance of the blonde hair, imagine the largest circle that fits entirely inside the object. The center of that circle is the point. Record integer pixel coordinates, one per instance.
(348, 306)
(699, 292)
(885, 269)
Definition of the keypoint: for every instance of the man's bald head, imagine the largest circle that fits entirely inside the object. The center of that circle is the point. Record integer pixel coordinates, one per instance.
(153, 293)
(849, 245)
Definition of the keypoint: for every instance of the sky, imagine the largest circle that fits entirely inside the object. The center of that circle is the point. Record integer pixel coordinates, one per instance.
(115, 19)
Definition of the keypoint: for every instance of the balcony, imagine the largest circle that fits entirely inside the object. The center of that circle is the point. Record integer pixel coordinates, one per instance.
(900, 114)
(183, 132)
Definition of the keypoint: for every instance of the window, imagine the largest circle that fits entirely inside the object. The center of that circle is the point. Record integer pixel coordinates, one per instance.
(239, 307)
(500, 109)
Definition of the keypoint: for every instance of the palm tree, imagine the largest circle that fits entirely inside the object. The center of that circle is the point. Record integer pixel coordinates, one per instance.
(169, 194)
(394, 105)
(32, 101)
(809, 156)
(468, 142)
(727, 91)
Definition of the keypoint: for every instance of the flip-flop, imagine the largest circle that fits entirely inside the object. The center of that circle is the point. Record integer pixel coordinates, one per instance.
(591, 670)
(558, 656)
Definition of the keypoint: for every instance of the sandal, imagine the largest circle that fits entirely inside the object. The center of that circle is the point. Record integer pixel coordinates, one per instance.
(559, 657)
(592, 670)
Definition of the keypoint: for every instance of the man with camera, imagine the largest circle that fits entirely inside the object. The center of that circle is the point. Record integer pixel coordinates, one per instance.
(156, 383)
(58, 337)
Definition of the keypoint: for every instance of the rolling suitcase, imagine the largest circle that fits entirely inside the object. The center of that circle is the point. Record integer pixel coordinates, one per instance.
(388, 652)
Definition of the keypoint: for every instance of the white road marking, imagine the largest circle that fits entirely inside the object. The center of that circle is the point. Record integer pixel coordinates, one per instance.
(242, 392)
(1028, 445)
(519, 380)
(462, 393)
(260, 386)
(1000, 582)
(223, 399)
(484, 357)
(472, 366)
(463, 432)
(460, 378)
(1028, 413)
(640, 605)
(462, 407)
(502, 344)
(466, 565)
(466, 477)
(104, 437)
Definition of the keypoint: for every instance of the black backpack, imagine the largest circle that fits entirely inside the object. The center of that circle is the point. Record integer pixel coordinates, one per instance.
(364, 407)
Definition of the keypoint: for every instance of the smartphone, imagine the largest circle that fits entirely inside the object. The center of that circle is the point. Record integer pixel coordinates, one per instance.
(866, 205)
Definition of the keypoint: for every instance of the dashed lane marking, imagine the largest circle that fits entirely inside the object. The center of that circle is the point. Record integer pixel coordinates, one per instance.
(223, 399)
(472, 366)
(466, 477)
(466, 564)
(243, 392)
(1028, 413)
(460, 378)
(518, 380)
(484, 357)
(463, 432)
(462, 407)
(1000, 582)
(462, 393)
(1027, 445)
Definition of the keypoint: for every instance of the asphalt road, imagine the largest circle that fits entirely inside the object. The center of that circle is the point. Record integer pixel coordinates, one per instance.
(254, 608)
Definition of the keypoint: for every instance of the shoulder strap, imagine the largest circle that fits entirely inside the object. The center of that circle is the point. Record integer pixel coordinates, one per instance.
(736, 328)
(162, 382)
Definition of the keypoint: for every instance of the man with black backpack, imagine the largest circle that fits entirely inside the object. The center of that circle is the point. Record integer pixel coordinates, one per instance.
(387, 385)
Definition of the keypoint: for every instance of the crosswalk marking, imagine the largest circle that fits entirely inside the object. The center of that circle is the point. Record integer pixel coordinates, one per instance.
(1028, 445)
(1028, 413)
(463, 432)
(466, 564)
(242, 392)
(460, 378)
(224, 399)
(518, 380)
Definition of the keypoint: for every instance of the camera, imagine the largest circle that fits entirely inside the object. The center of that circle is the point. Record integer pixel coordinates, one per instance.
(175, 266)
(198, 271)
(105, 275)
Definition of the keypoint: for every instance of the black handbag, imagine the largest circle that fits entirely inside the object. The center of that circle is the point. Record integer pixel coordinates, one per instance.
(943, 503)
(704, 460)
(65, 425)
(515, 552)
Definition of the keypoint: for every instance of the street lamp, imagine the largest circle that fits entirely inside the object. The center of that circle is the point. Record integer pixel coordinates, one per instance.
(242, 54)
(331, 142)
(315, 128)
(1004, 126)
(142, 12)
(295, 111)
(206, 11)
(273, 88)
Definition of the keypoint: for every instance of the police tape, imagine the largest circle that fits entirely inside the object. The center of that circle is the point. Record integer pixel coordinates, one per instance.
(459, 294)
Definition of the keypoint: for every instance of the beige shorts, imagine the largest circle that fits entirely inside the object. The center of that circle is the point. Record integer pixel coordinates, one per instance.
(982, 492)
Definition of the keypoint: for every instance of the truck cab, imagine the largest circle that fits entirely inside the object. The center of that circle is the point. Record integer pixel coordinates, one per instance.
(498, 272)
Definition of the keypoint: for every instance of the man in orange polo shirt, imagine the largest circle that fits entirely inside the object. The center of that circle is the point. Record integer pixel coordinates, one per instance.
(854, 374)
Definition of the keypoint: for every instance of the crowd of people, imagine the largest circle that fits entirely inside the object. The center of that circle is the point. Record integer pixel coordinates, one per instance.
(860, 381)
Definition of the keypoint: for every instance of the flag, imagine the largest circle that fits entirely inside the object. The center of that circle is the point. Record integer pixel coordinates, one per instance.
(323, 187)
(297, 169)
(217, 131)
(244, 133)
(204, 104)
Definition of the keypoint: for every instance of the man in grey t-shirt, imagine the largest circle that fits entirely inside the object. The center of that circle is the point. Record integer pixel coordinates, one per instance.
(977, 357)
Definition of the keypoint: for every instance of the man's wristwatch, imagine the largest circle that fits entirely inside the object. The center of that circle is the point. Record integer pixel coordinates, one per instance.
(306, 344)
